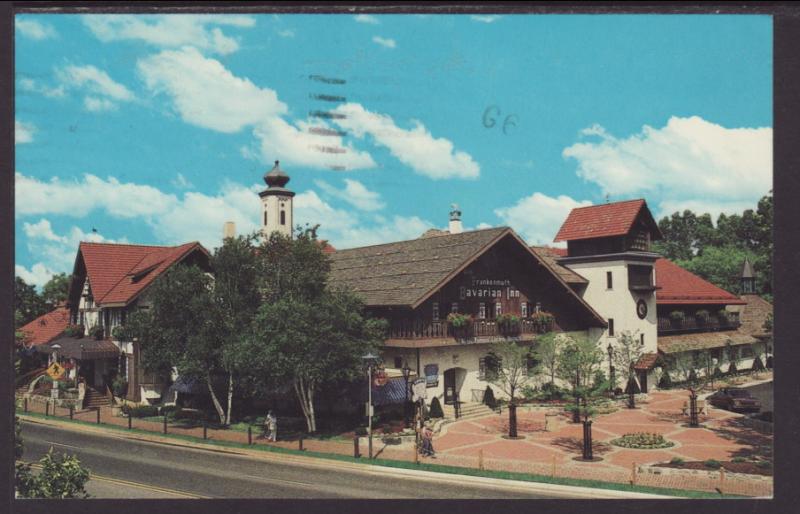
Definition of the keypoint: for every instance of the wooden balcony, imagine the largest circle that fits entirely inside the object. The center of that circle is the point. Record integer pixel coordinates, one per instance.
(478, 329)
(690, 323)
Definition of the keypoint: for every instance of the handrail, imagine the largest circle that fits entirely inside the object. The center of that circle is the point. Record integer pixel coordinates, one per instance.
(31, 374)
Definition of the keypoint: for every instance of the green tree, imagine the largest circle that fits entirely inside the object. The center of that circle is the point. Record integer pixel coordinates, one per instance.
(305, 334)
(627, 353)
(56, 289)
(578, 362)
(28, 304)
(61, 476)
(511, 375)
(546, 351)
(722, 266)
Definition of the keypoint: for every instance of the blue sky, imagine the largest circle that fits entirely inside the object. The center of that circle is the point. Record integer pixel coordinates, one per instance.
(157, 129)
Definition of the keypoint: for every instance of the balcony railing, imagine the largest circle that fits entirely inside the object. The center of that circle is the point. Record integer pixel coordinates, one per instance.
(422, 329)
(695, 324)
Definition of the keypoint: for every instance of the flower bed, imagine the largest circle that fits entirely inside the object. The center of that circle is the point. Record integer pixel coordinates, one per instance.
(643, 441)
(763, 468)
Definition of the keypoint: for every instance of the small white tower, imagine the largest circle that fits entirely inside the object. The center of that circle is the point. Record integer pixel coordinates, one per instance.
(276, 203)
(455, 220)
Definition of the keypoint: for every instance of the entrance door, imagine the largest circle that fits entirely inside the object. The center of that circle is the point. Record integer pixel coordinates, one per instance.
(450, 386)
(87, 372)
(643, 380)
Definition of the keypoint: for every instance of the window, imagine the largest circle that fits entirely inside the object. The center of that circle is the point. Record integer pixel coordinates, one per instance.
(489, 366)
(265, 217)
(283, 217)
(454, 307)
(609, 280)
(641, 339)
(435, 311)
(398, 362)
(611, 327)
(481, 310)
(538, 307)
(524, 309)
(498, 309)
(747, 352)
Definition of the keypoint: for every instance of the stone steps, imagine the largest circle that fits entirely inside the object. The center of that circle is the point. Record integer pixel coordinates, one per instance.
(467, 411)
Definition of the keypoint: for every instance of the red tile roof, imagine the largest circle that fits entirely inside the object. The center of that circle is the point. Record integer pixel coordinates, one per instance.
(611, 219)
(118, 272)
(647, 361)
(679, 286)
(46, 327)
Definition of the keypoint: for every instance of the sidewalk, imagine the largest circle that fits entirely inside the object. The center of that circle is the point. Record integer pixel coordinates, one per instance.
(479, 443)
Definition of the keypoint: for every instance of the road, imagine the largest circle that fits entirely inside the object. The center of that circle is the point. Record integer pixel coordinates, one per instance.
(136, 469)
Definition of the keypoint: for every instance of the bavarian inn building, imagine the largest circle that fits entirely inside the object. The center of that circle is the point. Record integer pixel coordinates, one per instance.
(605, 282)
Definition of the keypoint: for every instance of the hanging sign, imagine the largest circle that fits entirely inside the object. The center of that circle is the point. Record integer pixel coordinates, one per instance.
(419, 389)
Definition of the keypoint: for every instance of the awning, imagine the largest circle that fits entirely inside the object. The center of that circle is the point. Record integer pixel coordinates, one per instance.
(84, 348)
(702, 341)
(647, 362)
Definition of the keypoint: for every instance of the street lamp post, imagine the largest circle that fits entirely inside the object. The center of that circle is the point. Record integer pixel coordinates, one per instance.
(369, 359)
(631, 384)
(610, 350)
(406, 376)
(587, 433)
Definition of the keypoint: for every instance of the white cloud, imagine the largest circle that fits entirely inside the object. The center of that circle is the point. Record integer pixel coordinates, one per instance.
(33, 29)
(170, 30)
(690, 161)
(385, 42)
(354, 193)
(485, 18)
(417, 148)
(286, 33)
(23, 132)
(181, 182)
(94, 104)
(538, 217)
(27, 84)
(206, 94)
(56, 253)
(367, 18)
(78, 198)
(95, 80)
(38, 275)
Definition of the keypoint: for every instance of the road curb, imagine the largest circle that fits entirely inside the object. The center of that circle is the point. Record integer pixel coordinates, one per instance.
(569, 491)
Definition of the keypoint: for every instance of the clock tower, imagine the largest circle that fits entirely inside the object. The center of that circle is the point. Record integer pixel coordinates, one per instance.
(276, 203)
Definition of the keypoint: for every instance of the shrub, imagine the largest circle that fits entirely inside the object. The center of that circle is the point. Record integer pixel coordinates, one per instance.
(677, 316)
(642, 441)
(712, 463)
(732, 368)
(121, 333)
(74, 331)
(436, 408)
(529, 392)
(757, 364)
(702, 315)
(763, 464)
(553, 392)
(507, 320)
(189, 414)
(542, 317)
(458, 320)
(677, 461)
(168, 409)
(738, 459)
(119, 386)
(97, 332)
(360, 431)
(723, 314)
(140, 411)
(488, 398)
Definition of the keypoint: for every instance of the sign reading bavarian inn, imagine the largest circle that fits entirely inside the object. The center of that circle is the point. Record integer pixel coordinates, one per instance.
(488, 288)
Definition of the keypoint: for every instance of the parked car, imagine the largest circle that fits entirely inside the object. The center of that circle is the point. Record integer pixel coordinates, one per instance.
(735, 399)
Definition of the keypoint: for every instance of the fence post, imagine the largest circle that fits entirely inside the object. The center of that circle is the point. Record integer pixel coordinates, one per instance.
(356, 451)
(205, 430)
(165, 423)
(71, 411)
(130, 421)
(480, 459)
(721, 479)
(416, 454)
(98, 415)
(301, 443)
(46, 408)
(249, 435)
(26, 403)
(633, 473)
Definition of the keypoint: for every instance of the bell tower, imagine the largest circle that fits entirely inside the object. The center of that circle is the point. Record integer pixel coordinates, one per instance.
(276, 203)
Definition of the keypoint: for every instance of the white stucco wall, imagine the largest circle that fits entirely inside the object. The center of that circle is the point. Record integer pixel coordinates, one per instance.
(271, 204)
(619, 303)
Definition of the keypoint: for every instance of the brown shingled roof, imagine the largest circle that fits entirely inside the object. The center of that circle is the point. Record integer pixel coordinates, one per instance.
(549, 256)
(702, 341)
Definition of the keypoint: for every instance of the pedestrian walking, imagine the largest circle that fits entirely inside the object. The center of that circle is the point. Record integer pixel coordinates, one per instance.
(427, 441)
(272, 426)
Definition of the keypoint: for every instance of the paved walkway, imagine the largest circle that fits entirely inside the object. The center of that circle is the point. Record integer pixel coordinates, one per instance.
(552, 452)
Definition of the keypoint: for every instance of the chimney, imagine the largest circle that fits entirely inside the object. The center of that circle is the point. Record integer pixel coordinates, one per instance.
(229, 230)
(455, 220)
